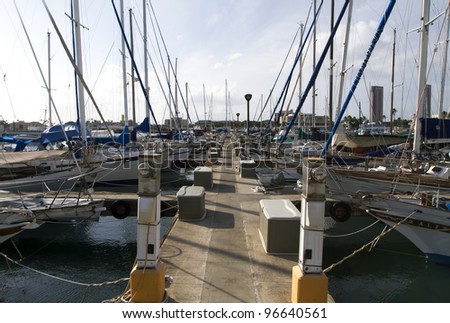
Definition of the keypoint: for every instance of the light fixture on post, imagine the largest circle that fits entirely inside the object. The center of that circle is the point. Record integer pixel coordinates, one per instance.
(248, 97)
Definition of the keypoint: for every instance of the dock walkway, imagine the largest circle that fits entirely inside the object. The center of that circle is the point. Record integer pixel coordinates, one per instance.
(221, 259)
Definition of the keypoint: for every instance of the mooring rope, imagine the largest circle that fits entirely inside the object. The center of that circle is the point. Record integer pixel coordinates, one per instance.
(369, 244)
(8, 259)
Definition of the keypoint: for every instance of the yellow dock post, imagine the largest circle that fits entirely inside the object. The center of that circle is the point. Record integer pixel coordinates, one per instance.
(147, 278)
(309, 283)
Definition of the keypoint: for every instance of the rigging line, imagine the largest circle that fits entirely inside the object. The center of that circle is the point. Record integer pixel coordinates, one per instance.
(9, 94)
(152, 44)
(360, 73)
(269, 98)
(154, 68)
(72, 61)
(46, 86)
(316, 70)
(101, 70)
(299, 52)
(193, 102)
(278, 76)
(422, 95)
(170, 62)
(146, 95)
(175, 112)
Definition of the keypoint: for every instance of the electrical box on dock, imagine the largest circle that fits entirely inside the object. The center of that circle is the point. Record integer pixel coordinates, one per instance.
(279, 226)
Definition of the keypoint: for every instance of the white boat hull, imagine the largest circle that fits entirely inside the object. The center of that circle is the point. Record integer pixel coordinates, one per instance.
(427, 227)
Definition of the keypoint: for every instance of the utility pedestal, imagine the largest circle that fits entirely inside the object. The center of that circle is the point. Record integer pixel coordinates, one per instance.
(309, 283)
(147, 278)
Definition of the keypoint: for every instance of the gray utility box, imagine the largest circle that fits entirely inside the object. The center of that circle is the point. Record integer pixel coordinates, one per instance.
(247, 168)
(191, 203)
(279, 226)
(203, 177)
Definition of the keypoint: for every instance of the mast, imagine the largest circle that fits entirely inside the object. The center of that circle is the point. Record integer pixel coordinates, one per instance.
(79, 63)
(204, 103)
(422, 75)
(147, 106)
(444, 63)
(330, 99)
(344, 57)
(226, 104)
(49, 85)
(124, 69)
(133, 102)
(340, 130)
(316, 71)
(375, 39)
(314, 67)
(300, 74)
(177, 112)
(392, 83)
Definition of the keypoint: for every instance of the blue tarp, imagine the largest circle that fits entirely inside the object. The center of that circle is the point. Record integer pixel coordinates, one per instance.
(56, 133)
(144, 126)
(433, 128)
(124, 137)
(20, 143)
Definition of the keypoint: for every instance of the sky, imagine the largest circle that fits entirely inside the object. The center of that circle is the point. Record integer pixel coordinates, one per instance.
(220, 50)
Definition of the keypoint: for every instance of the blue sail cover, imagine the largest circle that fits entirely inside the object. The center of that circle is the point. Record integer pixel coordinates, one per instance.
(56, 133)
(435, 130)
(20, 143)
(144, 126)
(124, 137)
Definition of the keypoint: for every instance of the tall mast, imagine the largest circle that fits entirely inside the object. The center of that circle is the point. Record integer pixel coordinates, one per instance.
(340, 129)
(422, 75)
(49, 85)
(204, 103)
(392, 83)
(147, 107)
(133, 102)
(124, 68)
(314, 67)
(444, 63)
(300, 69)
(79, 62)
(226, 104)
(344, 57)
(330, 99)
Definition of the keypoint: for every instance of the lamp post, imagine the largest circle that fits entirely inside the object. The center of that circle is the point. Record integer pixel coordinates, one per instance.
(248, 97)
(237, 116)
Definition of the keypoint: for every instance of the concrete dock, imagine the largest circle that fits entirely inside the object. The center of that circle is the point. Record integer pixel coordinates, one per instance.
(221, 259)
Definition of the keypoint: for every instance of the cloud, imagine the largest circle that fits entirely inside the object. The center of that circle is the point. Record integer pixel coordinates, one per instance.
(234, 56)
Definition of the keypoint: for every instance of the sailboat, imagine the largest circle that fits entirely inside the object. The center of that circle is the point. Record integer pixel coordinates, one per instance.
(423, 218)
(21, 212)
(402, 170)
(10, 229)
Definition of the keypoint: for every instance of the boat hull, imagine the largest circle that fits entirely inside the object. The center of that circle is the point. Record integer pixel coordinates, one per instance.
(428, 228)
